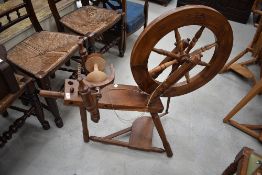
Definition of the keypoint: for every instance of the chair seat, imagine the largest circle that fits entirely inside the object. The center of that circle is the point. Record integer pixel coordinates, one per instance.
(90, 19)
(135, 17)
(42, 52)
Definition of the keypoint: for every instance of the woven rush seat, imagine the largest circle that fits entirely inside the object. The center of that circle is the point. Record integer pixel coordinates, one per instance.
(42, 52)
(90, 19)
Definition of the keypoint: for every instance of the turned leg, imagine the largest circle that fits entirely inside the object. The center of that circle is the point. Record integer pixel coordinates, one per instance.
(162, 134)
(91, 43)
(84, 123)
(37, 105)
(241, 54)
(122, 40)
(13, 128)
(44, 83)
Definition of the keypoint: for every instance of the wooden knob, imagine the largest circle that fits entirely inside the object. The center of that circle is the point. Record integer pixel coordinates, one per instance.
(96, 75)
(95, 58)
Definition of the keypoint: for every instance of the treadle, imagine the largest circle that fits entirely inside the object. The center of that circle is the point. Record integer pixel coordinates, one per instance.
(242, 70)
(140, 138)
(253, 130)
(142, 132)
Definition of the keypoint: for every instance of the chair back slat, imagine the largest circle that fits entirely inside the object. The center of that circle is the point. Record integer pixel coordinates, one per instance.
(15, 14)
(13, 22)
(12, 9)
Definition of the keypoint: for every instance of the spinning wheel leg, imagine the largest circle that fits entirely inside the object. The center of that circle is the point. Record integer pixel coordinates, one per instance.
(84, 123)
(227, 66)
(251, 94)
(162, 134)
(249, 129)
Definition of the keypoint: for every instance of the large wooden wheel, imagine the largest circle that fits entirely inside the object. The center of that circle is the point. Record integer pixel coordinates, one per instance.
(201, 17)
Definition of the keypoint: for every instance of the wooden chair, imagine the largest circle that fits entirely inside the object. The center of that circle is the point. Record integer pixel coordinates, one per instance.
(255, 48)
(247, 162)
(136, 14)
(41, 54)
(13, 87)
(93, 22)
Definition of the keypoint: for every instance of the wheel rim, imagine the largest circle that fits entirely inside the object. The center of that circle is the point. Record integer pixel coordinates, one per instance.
(175, 19)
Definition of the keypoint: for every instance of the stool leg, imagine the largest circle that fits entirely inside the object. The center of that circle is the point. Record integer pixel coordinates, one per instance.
(253, 92)
(241, 54)
(84, 123)
(162, 134)
(37, 105)
(44, 83)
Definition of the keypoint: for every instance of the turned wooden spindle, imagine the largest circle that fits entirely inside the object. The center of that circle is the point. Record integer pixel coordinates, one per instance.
(161, 67)
(166, 53)
(90, 104)
(185, 43)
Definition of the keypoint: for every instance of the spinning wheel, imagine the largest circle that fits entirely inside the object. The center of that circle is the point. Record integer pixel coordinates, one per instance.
(184, 52)
(182, 58)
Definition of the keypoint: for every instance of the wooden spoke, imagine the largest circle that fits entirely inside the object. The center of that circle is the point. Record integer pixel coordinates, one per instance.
(203, 49)
(166, 53)
(195, 39)
(202, 63)
(167, 59)
(187, 76)
(154, 72)
(178, 40)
